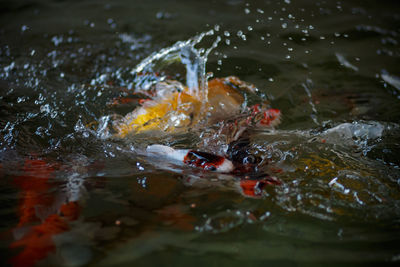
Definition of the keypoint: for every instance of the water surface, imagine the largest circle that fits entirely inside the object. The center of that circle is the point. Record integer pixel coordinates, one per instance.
(74, 196)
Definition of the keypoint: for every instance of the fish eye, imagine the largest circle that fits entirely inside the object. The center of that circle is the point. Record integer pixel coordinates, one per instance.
(211, 168)
(249, 160)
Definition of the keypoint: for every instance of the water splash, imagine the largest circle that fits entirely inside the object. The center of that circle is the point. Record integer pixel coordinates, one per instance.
(184, 52)
(391, 79)
(344, 62)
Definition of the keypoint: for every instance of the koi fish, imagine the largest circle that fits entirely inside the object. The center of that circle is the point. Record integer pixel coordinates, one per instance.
(35, 230)
(204, 160)
(174, 107)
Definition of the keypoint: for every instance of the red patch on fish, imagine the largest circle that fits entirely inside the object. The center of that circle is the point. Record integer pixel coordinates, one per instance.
(270, 116)
(38, 242)
(204, 160)
(253, 188)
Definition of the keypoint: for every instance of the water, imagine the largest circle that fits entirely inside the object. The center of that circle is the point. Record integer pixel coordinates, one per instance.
(329, 66)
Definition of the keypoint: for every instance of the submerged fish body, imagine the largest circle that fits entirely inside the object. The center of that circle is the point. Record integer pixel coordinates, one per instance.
(242, 165)
(42, 213)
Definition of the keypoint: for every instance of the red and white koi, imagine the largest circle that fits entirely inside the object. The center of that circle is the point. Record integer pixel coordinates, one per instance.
(204, 160)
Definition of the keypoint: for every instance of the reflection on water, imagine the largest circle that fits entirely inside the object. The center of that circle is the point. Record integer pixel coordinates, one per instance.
(74, 194)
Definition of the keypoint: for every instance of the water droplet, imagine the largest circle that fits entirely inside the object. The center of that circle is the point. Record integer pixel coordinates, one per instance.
(21, 99)
(241, 35)
(57, 40)
(45, 108)
(24, 28)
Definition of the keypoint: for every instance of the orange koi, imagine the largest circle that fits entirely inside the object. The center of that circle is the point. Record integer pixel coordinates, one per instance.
(37, 242)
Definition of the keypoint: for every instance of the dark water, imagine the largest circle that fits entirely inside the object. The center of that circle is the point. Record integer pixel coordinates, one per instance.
(70, 197)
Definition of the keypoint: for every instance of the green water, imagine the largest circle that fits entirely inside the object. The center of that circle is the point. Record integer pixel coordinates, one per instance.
(331, 67)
